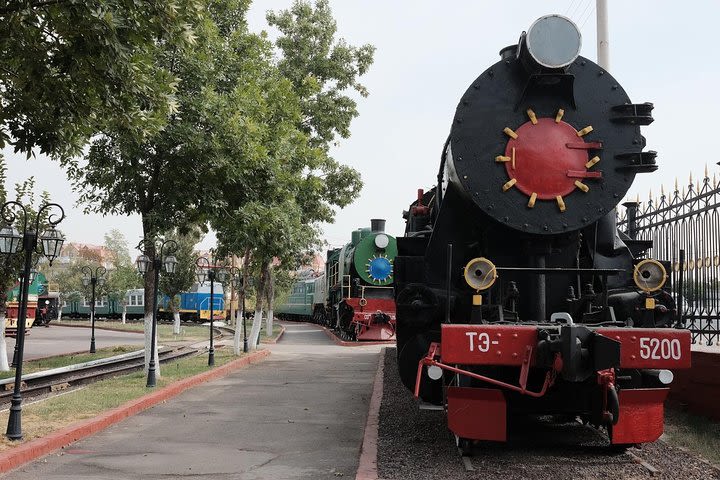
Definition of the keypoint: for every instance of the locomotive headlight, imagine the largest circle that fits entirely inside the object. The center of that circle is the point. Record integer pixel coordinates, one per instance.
(480, 273)
(553, 41)
(381, 240)
(649, 275)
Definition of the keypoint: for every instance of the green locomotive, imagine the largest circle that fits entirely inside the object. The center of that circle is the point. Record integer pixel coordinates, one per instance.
(354, 294)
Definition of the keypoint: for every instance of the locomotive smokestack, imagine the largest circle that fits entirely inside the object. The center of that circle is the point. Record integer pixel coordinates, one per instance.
(377, 225)
(551, 43)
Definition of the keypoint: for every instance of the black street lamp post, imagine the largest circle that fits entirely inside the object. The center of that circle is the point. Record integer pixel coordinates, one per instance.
(91, 279)
(11, 242)
(207, 270)
(169, 262)
(33, 274)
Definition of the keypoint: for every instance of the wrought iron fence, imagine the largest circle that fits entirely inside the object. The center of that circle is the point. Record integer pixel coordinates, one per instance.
(684, 227)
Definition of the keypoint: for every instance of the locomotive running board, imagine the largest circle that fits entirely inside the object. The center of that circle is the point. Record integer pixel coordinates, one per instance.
(430, 406)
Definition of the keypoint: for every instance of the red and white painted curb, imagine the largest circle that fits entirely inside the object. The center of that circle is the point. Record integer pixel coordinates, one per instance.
(33, 449)
(367, 467)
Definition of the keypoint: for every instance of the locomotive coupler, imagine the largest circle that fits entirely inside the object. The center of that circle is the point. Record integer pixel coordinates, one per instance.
(611, 407)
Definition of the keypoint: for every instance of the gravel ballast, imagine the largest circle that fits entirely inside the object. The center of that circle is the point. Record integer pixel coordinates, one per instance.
(416, 444)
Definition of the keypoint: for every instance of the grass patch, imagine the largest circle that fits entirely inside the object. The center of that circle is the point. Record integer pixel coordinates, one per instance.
(696, 433)
(32, 366)
(188, 332)
(47, 416)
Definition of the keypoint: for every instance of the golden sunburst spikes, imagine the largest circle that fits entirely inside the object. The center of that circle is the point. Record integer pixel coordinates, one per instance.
(592, 161)
(502, 158)
(531, 202)
(584, 131)
(509, 184)
(510, 133)
(560, 202)
(582, 186)
(531, 115)
(559, 115)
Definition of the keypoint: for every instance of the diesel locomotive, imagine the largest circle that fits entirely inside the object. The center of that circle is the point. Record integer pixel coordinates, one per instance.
(355, 293)
(515, 292)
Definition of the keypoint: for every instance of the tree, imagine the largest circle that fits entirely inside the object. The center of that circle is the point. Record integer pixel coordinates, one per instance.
(184, 276)
(123, 276)
(118, 246)
(176, 178)
(308, 182)
(320, 68)
(69, 280)
(71, 69)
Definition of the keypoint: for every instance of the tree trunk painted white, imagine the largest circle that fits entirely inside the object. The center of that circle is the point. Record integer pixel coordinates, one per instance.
(269, 322)
(59, 316)
(238, 336)
(255, 331)
(176, 323)
(148, 336)
(4, 366)
(124, 313)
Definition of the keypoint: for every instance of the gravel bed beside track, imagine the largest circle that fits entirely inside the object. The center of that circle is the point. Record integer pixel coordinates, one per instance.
(416, 444)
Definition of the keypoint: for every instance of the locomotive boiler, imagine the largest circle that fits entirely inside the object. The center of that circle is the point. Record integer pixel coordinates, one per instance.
(515, 291)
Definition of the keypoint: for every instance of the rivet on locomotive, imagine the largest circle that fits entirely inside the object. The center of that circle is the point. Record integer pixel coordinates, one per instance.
(515, 291)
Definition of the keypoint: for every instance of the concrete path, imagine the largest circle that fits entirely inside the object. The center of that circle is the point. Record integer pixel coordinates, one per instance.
(299, 414)
(57, 340)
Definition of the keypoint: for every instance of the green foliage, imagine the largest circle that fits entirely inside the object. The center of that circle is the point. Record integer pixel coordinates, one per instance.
(175, 177)
(320, 68)
(73, 68)
(69, 280)
(174, 284)
(116, 243)
(278, 218)
(122, 279)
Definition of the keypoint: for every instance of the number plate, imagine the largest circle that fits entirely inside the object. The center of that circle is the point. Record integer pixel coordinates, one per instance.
(651, 348)
(486, 344)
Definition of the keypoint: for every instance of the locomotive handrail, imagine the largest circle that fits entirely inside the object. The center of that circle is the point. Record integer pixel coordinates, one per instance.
(542, 271)
(346, 286)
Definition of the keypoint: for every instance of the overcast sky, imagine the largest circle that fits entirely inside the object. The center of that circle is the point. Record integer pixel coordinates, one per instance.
(429, 52)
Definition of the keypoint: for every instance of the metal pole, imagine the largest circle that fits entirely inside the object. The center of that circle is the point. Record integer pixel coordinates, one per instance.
(151, 380)
(20, 301)
(603, 38)
(211, 352)
(14, 428)
(93, 281)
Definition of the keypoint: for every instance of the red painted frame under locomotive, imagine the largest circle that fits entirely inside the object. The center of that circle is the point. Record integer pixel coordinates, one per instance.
(480, 413)
(364, 318)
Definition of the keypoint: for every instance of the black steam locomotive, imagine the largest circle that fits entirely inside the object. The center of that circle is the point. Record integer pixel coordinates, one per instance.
(515, 291)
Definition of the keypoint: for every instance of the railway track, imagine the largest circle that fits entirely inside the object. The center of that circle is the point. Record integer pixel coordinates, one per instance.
(56, 380)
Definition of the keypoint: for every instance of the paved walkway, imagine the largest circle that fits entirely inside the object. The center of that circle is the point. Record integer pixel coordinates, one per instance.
(300, 414)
